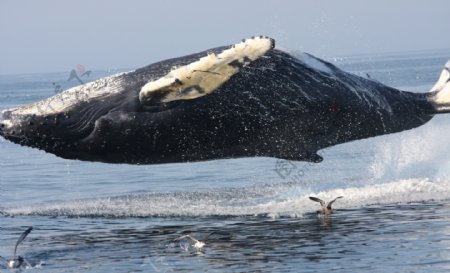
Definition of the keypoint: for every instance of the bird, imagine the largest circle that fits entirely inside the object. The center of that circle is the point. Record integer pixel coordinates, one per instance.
(74, 75)
(198, 245)
(87, 73)
(326, 208)
(19, 261)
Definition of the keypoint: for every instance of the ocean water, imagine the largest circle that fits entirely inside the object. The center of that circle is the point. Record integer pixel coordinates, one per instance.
(253, 214)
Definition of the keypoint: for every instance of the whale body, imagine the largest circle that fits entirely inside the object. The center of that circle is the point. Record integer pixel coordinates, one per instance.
(247, 100)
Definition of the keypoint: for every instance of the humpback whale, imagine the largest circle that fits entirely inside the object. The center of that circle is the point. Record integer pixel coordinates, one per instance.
(246, 100)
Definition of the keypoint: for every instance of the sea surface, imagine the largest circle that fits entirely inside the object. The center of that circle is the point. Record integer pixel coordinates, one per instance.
(253, 214)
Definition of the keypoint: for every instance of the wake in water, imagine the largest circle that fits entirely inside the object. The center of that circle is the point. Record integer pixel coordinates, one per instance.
(229, 203)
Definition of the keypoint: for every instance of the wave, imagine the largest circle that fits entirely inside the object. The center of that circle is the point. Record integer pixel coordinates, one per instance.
(419, 153)
(287, 200)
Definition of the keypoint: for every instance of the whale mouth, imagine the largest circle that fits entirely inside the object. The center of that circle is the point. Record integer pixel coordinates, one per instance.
(5, 118)
(3, 121)
(6, 123)
(5, 114)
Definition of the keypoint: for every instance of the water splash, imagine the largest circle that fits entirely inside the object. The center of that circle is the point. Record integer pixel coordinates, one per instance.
(423, 153)
(242, 202)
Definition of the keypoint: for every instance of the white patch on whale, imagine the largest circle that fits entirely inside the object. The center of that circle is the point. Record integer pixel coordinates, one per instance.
(202, 77)
(442, 86)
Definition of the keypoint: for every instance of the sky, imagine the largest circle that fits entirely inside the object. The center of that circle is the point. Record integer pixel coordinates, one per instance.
(56, 35)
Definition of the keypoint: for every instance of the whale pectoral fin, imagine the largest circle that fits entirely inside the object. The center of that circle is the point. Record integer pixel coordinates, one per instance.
(315, 158)
(202, 77)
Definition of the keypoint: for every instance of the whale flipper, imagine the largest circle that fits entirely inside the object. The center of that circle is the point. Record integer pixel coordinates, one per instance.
(308, 156)
(313, 157)
(202, 77)
(440, 92)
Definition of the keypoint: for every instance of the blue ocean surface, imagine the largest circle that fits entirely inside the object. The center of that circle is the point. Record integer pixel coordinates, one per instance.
(253, 214)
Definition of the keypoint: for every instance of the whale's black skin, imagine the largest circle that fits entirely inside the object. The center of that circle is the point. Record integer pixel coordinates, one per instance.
(277, 106)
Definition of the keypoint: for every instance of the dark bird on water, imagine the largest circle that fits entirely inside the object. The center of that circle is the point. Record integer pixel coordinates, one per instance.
(326, 208)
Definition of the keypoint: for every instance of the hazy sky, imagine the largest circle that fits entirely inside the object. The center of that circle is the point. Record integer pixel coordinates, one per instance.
(45, 35)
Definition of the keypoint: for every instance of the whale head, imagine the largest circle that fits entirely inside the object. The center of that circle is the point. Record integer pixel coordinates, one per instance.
(59, 123)
(40, 128)
(149, 115)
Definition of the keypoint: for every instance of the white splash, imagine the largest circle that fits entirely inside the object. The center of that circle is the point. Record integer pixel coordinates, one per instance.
(208, 204)
(418, 153)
